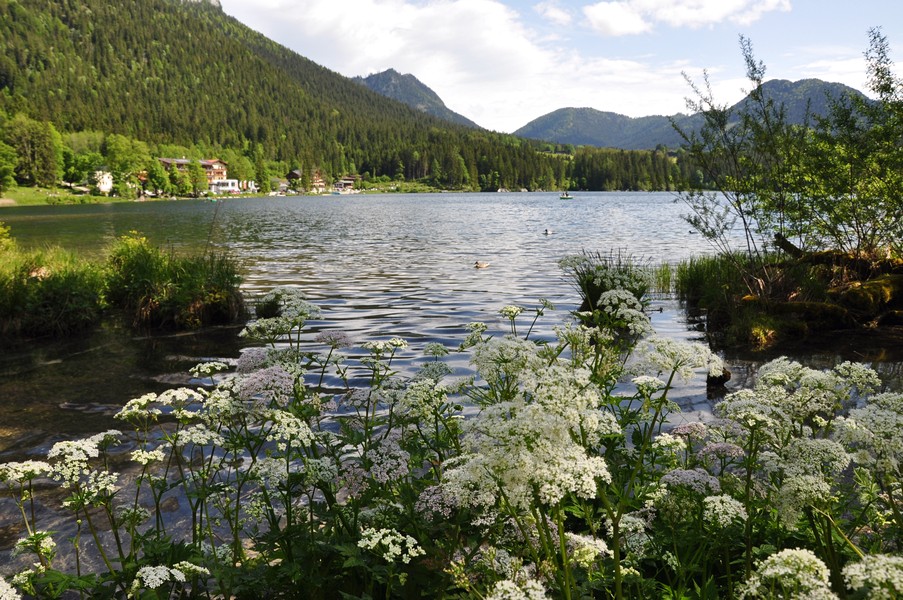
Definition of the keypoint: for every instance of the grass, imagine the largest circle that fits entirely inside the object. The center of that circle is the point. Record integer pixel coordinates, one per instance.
(37, 196)
(48, 292)
(52, 292)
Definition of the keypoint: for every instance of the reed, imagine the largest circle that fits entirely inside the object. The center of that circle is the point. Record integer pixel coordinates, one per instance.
(163, 290)
(48, 292)
(52, 292)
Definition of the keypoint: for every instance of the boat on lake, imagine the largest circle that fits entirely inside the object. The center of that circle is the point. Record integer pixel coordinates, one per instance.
(565, 196)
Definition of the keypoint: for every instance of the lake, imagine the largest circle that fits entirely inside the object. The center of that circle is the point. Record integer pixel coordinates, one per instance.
(377, 265)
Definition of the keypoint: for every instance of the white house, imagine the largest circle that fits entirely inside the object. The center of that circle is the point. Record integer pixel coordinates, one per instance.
(103, 181)
(225, 186)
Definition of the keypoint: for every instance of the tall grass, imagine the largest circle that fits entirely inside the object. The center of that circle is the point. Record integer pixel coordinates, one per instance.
(163, 290)
(48, 292)
(53, 292)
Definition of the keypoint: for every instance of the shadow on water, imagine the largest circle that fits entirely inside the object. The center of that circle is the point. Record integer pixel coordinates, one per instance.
(59, 389)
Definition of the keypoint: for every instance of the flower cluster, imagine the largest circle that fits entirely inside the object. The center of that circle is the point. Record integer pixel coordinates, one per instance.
(391, 545)
(666, 355)
(8, 592)
(17, 473)
(507, 589)
(881, 575)
(511, 311)
(791, 573)
(720, 512)
(381, 347)
(586, 550)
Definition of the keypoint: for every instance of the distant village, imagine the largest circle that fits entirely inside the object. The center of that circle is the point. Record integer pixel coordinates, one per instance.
(218, 182)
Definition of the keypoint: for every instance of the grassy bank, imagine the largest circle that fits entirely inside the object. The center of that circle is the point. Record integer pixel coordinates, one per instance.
(782, 300)
(53, 292)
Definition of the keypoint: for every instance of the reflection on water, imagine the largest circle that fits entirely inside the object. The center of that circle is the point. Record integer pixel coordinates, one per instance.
(379, 266)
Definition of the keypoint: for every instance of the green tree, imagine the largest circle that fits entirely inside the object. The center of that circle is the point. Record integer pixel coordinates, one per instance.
(8, 161)
(197, 178)
(125, 157)
(855, 203)
(157, 178)
(78, 166)
(38, 146)
(748, 158)
(180, 181)
(261, 173)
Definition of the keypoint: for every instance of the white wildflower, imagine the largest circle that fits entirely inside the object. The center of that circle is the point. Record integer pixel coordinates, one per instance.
(17, 473)
(286, 428)
(722, 511)
(208, 369)
(511, 311)
(151, 577)
(511, 590)
(667, 356)
(8, 592)
(391, 545)
(585, 549)
(880, 575)
(794, 574)
(146, 457)
(139, 410)
(423, 399)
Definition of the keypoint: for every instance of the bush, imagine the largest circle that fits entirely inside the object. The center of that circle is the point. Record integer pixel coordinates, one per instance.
(48, 292)
(52, 292)
(164, 290)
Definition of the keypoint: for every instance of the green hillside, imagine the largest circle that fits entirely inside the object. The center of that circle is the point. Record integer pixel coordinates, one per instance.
(171, 72)
(591, 127)
(126, 81)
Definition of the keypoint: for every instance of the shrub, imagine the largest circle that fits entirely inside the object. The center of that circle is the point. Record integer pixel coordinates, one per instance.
(161, 289)
(48, 292)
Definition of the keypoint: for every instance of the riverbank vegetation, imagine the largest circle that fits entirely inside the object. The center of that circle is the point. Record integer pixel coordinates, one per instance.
(52, 292)
(572, 475)
(818, 209)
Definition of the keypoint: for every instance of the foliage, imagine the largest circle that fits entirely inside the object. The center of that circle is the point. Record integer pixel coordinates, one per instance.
(164, 290)
(572, 476)
(53, 292)
(8, 161)
(46, 292)
(853, 203)
(38, 148)
(750, 161)
(833, 185)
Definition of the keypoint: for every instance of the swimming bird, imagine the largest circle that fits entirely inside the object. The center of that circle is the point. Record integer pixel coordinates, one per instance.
(480, 264)
(548, 232)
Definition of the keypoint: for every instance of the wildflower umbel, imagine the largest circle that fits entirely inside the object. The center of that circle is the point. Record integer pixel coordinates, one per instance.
(391, 545)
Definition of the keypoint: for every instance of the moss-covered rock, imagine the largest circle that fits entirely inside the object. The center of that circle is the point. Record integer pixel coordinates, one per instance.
(869, 299)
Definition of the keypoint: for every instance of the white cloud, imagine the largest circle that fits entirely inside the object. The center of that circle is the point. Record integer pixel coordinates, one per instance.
(631, 17)
(553, 12)
(616, 18)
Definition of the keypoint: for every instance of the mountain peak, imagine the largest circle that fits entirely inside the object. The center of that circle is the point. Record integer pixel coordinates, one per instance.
(411, 91)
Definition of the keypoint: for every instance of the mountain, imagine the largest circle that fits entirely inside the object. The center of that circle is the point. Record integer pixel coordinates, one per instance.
(591, 127)
(413, 92)
(183, 73)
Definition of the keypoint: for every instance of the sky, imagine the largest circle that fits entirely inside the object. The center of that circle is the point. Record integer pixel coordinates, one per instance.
(504, 63)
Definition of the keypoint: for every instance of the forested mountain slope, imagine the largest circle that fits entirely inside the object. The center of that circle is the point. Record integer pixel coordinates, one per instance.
(588, 126)
(413, 92)
(167, 71)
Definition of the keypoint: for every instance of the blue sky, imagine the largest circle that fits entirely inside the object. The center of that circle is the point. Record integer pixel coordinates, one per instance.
(503, 63)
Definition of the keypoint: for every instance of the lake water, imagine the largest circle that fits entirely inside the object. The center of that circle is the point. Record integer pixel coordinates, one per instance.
(377, 265)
